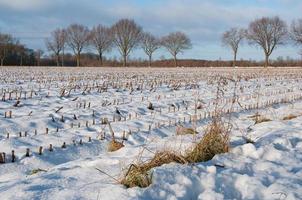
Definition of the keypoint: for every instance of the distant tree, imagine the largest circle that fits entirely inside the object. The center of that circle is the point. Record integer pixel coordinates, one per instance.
(175, 43)
(38, 54)
(301, 56)
(296, 33)
(126, 36)
(6, 45)
(64, 39)
(21, 51)
(101, 38)
(232, 38)
(77, 39)
(267, 33)
(56, 43)
(150, 44)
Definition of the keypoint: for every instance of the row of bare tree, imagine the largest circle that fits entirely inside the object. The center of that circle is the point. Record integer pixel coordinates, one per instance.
(265, 32)
(125, 35)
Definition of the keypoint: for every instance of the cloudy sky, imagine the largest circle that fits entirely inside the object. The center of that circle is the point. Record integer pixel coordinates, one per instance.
(203, 20)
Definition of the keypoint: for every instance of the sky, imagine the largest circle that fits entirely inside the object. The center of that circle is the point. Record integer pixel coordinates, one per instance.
(204, 21)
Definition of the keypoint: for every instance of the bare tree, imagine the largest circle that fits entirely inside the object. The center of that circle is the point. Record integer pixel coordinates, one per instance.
(64, 42)
(267, 33)
(296, 33)
(77, 39)
(6, 45)
(149, 45)
(101, 39)
(176, 43)
(126, 36)
(232, 38)
(56, 43)
(21, 52)
(38, 54)
(301, 56)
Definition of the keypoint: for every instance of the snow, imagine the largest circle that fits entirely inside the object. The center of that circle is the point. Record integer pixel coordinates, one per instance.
(269, 168)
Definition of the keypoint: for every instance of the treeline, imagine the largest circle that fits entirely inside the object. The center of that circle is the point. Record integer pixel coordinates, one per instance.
(125, 35)
(12, 52)
(91, 60)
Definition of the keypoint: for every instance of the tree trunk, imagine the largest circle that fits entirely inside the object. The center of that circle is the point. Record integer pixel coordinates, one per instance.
(21, 61)
(175, 61)
(57, 60)
(235, 58)
(150, 60)
(78, 59)
(266, 60)
(101, 58)
(125, 60)
(63, 58)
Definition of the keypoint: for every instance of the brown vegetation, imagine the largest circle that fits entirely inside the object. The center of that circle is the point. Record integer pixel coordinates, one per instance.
(215, 141)
(180, 130)
(115, 145)
(289, 117)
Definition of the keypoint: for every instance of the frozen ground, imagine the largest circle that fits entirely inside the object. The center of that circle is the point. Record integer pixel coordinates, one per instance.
(268, 169)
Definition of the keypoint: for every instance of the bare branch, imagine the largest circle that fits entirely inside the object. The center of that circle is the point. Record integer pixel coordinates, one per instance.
(126, 36)
(232, 38)
(268, 33)
(150, 44)
(296, 31)
(56, 42)
(101, 39)
(77, 39)
(176, 43)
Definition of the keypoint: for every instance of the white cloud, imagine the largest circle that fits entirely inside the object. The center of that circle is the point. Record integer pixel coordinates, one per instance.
(204, 21)
(24, 5)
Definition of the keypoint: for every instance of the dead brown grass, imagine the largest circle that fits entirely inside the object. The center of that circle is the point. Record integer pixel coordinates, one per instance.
(289, 117)
(260, 119)
(180, 130)
(138, 175)
(115, 145)
(214, 141)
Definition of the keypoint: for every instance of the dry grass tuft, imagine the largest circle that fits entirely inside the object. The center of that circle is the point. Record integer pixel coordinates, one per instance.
(261, 119)
(115, 145)
(214, 141)
(140, 176)
(180, 130)
(289, 117)
(35, 171)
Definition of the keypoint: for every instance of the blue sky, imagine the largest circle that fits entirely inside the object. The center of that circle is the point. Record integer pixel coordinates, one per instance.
(202, 20)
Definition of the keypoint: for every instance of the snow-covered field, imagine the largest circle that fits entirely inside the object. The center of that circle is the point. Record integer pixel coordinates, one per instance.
(50, 106)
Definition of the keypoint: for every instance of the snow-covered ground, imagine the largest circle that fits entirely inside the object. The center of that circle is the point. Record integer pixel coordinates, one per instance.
(270, 168)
